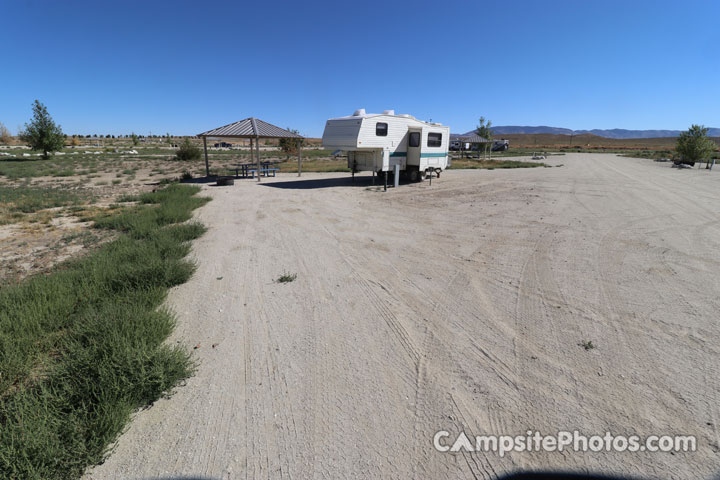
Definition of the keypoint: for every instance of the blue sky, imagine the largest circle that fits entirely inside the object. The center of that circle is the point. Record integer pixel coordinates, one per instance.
(185, 67)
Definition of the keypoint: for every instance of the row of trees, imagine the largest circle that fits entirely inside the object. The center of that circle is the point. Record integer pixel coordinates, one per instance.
(43, 134)
(6, 136)
(120, 136)
(124, 136)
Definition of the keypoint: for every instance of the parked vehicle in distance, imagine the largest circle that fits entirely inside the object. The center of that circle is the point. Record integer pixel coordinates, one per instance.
(500, 145)
(682, 161)
(379, 141)
(457, 144)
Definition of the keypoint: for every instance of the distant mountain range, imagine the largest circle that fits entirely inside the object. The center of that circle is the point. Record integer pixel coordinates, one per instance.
(618, 133)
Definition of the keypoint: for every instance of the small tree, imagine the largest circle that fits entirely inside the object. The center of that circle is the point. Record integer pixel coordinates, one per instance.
(188, 151)
(42, 133)
(5, 136)
(694, 144)
(290, 145)
(75, 141)
(483, 131)
(135, 139)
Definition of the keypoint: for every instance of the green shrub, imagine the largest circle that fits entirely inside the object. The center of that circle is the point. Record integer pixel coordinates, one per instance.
(188, 151)
(42, 133)
(287, 278)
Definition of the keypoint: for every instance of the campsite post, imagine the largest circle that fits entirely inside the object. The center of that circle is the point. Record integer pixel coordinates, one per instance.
(299, 147)
(207, 164)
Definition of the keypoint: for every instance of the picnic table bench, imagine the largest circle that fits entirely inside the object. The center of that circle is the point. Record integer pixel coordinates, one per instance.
(250, 169)
(265, 171)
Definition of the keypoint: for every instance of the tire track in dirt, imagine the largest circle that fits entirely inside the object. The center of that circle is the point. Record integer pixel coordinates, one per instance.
(429, 397)
(378, 297)
(394, 324)
(613, 247)
(315, 411)
(629, 358)
(444, 334)
(704, 353)
(264, 447)
(478, 463)
(547, 329)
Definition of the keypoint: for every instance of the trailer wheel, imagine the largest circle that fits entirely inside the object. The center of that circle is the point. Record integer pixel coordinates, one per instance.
(414, 174)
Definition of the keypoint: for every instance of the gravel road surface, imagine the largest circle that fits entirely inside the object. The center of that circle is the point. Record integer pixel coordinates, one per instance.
(460, 306)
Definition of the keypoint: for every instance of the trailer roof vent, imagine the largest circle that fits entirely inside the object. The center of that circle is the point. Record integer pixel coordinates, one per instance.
(359, 112)
(389, 112)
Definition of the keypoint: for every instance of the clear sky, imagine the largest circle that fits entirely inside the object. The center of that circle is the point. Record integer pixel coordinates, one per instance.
(188, 66)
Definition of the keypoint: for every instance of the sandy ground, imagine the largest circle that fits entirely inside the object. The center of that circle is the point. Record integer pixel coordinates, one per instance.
(458, 306)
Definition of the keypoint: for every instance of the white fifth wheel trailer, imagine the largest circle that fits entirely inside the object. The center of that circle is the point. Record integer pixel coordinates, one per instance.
(378, 141)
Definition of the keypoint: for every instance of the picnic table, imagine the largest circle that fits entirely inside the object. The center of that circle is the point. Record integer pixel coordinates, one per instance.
(250, 169)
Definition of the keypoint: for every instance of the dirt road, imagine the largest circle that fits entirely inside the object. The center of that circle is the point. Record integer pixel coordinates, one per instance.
(458, 306)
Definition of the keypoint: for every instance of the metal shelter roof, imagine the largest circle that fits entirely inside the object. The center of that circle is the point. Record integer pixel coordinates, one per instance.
(250, 128)
(472, 139)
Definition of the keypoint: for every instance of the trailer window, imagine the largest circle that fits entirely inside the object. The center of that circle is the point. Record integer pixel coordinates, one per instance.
(381, 129)
(434, 139)
(414, 140)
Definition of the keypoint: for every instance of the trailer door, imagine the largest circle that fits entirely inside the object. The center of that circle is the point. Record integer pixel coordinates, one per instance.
(413, 148)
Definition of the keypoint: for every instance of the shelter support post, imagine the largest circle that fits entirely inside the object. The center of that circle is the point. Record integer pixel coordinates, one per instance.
(252, 153)
(396, 176)
(207, 163)
(257, 150)
(299, 147)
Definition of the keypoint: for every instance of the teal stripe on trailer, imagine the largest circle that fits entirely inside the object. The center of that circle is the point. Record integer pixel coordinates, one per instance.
(424, 155)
